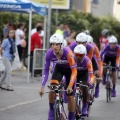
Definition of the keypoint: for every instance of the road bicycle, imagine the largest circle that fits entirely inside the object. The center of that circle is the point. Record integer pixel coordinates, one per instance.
(79, 102)
(108, 81)
(59, 111)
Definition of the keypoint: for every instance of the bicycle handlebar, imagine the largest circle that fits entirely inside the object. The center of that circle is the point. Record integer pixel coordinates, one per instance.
(80, 84)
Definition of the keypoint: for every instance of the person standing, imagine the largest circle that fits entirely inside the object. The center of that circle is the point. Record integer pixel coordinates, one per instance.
(35, 43)
(20, 36)
(7, 52)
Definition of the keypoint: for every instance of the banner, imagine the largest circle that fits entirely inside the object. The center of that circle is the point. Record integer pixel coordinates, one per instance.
(56, 4)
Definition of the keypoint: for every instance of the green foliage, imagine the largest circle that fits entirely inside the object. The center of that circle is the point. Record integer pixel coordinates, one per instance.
(80, 21)
(77, 21)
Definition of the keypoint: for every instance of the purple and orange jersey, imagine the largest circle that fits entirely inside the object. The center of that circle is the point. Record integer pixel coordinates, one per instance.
(86, 64)
(111, 52)
(89, 48)
(66, 61)
(96, 55)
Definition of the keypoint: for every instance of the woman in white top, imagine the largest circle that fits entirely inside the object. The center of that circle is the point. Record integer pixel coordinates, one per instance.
(20, 36)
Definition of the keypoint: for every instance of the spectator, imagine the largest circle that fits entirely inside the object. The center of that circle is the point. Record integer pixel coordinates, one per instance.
(66, 30)
(20, 37)
(35, 43)
(39, 23)
(6, 28)
(104, 38)
(71, 37)
(7, 50)
(59, 29)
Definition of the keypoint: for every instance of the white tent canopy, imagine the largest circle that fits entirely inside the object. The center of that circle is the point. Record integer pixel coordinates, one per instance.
(24, 6)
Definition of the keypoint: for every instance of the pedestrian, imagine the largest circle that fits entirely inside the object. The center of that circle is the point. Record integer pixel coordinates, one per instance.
(35, 43)
(7, 52)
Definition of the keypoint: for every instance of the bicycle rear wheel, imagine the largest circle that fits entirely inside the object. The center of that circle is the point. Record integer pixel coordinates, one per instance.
(56, 111)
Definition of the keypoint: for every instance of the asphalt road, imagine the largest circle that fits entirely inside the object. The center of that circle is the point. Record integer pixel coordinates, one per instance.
(24, 103)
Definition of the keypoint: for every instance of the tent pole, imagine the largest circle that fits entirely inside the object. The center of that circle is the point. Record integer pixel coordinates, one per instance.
(29, 43)
(44, 39)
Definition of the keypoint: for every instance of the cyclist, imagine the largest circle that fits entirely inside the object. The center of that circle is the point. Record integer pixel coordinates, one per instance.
(84, 72)
(111, 54)
(97, 65)
(87, 32)
(81, 38)
(63, 57)
(104, 38)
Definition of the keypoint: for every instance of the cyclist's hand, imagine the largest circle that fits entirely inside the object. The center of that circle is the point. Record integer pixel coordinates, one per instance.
(41, 92)
(69, 90)
(99, 79)
(90, 85)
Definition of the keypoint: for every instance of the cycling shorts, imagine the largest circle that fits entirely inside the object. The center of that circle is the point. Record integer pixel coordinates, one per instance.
(82, 76)
(108, 59)
(58, 74)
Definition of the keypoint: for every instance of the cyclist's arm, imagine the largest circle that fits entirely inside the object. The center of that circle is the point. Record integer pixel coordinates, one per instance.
(118, 57)
(97, 53)
(73, 68)
(46, 69)
(103, 52)
(90, 70)
(90, 53)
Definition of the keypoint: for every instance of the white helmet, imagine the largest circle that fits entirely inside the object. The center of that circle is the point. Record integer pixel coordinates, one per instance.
(105, 31)
(81, 37)
(87, 32)
(113, 39)
(80, 49)
(64, 43)
(90, 39)
(56, 38)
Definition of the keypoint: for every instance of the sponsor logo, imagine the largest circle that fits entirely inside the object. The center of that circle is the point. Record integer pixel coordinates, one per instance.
(81, 68)
(61, 61)
(10, 6)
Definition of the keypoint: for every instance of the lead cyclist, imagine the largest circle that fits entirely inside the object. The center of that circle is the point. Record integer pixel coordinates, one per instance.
(65, 65)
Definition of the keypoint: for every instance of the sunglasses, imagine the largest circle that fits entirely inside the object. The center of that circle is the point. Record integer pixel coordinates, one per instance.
(79, 55)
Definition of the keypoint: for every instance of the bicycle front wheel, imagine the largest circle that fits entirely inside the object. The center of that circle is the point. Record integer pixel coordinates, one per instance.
(78, 108)
(56, 111)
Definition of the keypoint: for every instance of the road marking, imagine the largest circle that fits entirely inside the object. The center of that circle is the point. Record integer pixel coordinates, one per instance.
(27, 88)
(19, 104)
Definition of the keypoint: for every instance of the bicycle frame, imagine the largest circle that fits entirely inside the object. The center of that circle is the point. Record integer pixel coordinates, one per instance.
(58, 90)
(78, 99)
(108, 81)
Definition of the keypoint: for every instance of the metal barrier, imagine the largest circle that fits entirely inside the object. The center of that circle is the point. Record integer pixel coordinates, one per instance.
(38, 60)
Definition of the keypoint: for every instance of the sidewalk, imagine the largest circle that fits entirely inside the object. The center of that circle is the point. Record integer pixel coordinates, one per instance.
(23, 91)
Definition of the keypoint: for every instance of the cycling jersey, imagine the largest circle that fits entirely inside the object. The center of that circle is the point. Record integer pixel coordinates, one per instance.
(112, 53)
(103, 41)
(67, 61)
(89, 48)
(86, 64)
(97, 57)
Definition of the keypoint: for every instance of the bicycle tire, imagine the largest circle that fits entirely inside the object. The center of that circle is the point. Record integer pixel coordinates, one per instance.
(107, 94)
(56, 111)
(78, 108)
(110, 94)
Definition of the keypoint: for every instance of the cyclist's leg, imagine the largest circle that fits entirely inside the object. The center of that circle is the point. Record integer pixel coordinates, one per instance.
(106, 61)
(95, 68)
(84, 77)
(64, 93)
(71, 100)
(56, 78)
(113, 63)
